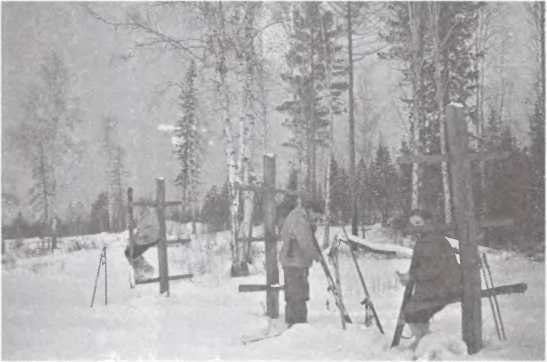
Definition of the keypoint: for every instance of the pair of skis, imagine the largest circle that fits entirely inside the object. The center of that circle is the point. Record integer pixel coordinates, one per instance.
(493, 299)
(367, 302)
(332, 285)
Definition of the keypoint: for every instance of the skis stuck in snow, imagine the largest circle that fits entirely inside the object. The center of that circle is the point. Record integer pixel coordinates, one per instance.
(332, 288)
(367, 302)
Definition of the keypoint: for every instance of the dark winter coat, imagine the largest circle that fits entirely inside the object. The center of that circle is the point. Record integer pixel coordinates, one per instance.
(298, 248)
(436, 274)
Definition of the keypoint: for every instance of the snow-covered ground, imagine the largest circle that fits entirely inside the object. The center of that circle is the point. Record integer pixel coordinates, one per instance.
(46, 313)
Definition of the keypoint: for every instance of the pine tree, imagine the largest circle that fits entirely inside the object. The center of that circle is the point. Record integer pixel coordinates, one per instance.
(99, 218)
(311, 58)
(340, 191)
(384, 183)
(405, 181)
(363, 194)
(189, 143)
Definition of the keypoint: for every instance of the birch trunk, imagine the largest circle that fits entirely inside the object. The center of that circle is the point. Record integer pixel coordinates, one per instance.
(231, 160)
(247, 127)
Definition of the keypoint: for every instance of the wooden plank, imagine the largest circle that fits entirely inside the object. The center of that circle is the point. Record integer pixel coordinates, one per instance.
(454, 298)
(162, 245)
(181, 276)
(130, 225)
(466, 226)
(157, 279)
(422, 159)
(144, 203)
(249, 288)
(272, 269)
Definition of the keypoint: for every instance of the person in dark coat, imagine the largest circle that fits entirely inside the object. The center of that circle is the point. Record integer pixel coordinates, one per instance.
(296, 256)
(436, 275)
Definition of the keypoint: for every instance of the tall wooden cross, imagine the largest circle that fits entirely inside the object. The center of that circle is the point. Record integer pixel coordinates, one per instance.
(466, 226)
(160, 206)
(272, 286)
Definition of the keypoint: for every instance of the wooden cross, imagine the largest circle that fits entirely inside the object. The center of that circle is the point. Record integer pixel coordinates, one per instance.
(466, 227)
(272, 286)
(160, 205)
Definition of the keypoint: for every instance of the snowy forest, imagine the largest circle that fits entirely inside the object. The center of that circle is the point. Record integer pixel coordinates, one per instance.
(98, 97)
(278, 80)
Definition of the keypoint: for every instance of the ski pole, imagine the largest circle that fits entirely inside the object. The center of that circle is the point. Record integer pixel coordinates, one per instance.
(96, 279)
(494, 296)
(406, 296)
(105, 278)
(494, 315)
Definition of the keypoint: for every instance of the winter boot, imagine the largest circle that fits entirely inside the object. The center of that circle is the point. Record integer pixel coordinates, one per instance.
(418, 330)
(142, 268)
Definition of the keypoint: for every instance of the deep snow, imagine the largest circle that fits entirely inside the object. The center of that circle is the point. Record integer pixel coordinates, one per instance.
(46, 313)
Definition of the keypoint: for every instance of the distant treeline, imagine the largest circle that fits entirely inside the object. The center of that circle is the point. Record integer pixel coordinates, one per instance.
(383, 191)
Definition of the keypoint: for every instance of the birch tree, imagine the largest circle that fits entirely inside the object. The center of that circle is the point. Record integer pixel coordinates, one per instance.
(217, 43)
(46, 134)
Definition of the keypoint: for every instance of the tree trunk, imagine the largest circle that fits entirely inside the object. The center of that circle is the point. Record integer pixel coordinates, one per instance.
(330, 153)
(231, 160)
(440, 88)
(415, 16)
(480, 112)
(351, 119)
(44, 182)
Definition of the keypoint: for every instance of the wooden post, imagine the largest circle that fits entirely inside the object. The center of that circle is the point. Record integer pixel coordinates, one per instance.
(272, 270)
(466, 227)
(130, 223)
(105, 278)
(162, 242)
